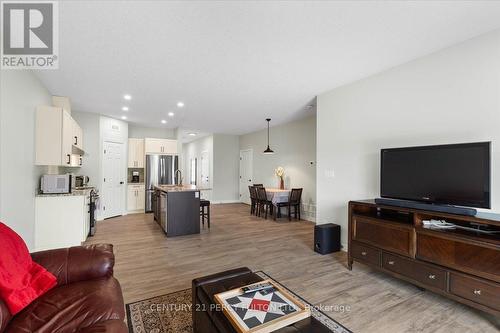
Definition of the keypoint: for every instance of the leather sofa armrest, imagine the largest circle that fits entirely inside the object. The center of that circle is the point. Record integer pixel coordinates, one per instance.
(79, 263)
(5, 316)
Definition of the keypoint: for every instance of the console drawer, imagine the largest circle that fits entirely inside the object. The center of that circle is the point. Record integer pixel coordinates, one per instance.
(365, 253)
(476, 258)
(390, 236)
(476, 290)
(423, 273)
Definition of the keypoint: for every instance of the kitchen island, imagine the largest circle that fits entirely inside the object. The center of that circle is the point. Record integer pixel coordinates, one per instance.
(176, 209)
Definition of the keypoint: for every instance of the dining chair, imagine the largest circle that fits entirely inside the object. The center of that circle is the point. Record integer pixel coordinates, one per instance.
(294, 202)
(258, 185)
(253, 200)
(263, 203)
(279, 205)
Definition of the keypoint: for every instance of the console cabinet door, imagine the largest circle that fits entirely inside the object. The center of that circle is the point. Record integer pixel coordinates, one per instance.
(478, 258)
(391, 236)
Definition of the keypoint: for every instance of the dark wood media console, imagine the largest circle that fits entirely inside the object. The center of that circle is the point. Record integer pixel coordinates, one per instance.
(460, 264)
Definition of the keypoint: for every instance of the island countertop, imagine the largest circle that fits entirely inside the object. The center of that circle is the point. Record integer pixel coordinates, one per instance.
(180, 188)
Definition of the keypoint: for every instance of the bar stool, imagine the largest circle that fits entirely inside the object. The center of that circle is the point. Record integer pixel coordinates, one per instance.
(205, 214)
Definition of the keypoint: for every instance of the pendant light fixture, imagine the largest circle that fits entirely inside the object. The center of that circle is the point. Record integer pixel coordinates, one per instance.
(268, 149)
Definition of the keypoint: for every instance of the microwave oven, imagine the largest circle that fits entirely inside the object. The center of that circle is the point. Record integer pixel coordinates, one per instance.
(55, 184)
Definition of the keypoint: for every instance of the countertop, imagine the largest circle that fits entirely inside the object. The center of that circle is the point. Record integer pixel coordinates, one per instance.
(181, 188)
(74, 193)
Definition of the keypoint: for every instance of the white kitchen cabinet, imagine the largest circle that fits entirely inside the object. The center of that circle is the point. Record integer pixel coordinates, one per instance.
(160, 146)
(55, 137)
(77, 135)
(136, 198)
(67, 140)
(136, 153)
(61, 221)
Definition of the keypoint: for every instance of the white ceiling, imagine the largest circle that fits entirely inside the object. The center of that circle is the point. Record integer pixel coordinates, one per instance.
(236, 63)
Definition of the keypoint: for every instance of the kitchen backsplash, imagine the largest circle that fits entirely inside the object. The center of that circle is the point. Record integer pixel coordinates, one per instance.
(141, 174)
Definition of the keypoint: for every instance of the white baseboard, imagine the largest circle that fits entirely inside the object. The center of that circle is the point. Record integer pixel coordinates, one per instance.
(218, 202)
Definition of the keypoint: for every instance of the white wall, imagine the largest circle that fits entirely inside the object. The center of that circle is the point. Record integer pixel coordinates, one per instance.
(294, 145)
(140, 132)
(20, 93)
(452, 96)
(226, 168)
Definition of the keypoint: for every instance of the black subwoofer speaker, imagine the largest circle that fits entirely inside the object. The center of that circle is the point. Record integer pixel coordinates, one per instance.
(327, 238)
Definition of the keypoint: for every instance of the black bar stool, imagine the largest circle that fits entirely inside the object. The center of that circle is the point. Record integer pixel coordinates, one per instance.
(205, 214)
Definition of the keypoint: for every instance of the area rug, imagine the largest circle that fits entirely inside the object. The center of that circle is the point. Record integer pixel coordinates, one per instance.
(171, 313)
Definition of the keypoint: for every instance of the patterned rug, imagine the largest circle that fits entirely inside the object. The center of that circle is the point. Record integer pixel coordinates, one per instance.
(171, 313)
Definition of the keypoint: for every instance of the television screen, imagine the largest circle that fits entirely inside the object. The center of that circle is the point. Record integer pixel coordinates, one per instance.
(457, 174)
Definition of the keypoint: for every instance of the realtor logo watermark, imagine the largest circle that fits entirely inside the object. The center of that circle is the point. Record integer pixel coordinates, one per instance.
(30, 36)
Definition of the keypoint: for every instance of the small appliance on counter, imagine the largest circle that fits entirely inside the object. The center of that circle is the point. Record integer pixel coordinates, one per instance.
(135, 177)
(55, 184)
(81, 181)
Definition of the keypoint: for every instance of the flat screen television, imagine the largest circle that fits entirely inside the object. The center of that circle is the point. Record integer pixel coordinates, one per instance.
(455, 174)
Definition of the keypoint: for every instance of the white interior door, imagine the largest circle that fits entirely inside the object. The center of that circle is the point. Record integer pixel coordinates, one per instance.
(246, 174)
(113, 187)
(205, 174)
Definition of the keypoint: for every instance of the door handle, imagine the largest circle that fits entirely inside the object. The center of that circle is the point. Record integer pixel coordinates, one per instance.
(69, 159)
(121, 183)
(76, 140)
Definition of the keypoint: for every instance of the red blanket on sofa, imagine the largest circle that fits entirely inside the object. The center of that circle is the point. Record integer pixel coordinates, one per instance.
(21, 279)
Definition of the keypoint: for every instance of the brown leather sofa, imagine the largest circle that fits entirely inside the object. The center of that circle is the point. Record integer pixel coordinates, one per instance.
(209, 319)
(87, 297)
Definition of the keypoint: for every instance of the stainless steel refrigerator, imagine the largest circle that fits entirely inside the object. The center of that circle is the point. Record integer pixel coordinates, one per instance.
(160, 170)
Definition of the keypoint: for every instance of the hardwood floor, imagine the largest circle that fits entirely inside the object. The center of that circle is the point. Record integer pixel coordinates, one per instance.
(148, 264)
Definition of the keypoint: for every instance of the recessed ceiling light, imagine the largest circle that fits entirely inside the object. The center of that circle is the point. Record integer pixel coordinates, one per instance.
(180, 104)
(192, 134)
(124, 117)
(171, 114)
(163, 121)
(127, 97)
(125, 108)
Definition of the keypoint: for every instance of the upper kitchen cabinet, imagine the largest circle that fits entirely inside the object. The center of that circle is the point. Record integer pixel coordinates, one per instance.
(160, 146)
(136, 153)
(58, 138)
(77, 135)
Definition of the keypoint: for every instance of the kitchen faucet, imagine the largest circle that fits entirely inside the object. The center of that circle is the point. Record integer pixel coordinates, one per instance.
(180, 176)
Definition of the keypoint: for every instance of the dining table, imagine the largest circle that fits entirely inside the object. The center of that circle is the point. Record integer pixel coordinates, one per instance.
(276, 195)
